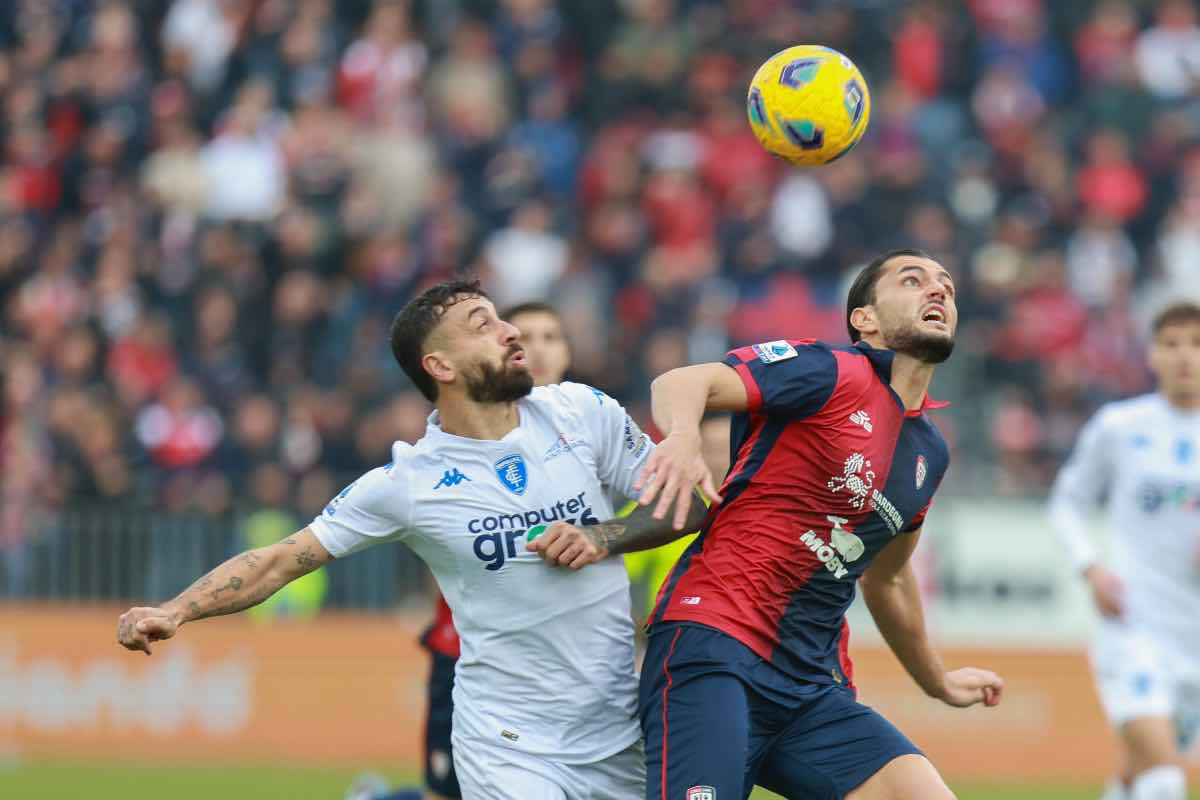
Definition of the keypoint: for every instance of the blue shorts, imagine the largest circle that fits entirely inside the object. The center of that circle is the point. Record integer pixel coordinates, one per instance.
(439, 759)
(719, 720)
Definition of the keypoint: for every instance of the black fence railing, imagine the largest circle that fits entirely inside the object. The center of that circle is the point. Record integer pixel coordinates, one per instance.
(141, 556)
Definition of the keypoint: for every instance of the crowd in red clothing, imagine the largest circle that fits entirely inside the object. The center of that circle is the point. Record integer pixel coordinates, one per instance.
(209, 212)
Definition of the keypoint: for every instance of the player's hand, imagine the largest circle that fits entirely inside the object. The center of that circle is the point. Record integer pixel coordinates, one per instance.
(967, 686)
(565, 545)
(672, 471)
(1107, 591)
(138, 627)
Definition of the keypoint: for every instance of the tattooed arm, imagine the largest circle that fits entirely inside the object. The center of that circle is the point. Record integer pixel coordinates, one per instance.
(243, 581)
(569, 546)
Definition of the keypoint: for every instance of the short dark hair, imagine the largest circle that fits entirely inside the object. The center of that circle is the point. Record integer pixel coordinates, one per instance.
(532, 307)
(862, 291)
(1176, 313)
(418, 318)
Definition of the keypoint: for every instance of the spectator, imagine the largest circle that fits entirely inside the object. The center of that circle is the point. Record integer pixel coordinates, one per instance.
(1168, 53)
(208, 215)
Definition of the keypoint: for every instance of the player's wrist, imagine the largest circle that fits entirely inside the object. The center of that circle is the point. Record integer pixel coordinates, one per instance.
(685, 432)
(938, 687)
(175, 612)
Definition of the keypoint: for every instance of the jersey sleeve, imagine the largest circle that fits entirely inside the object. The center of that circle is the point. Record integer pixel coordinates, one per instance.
(919, 519)
(620, 445)
(372, 510)
(785, 377)
(1078, 489)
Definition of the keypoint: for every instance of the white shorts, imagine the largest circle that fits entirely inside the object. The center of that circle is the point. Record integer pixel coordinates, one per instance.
(489, 772)
(1139, 676)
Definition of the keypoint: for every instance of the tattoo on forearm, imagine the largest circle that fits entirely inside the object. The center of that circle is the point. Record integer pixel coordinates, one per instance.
(307, 560)
(254, 597)
(194, 609)
(251, 560)
(606, 533)
(641, 531)
(290, 540)
(201, 584)
(235, 583)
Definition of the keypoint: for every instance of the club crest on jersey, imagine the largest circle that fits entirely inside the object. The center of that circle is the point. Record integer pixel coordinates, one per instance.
(770, 352)
(512, 473)
(922, 471)
(701, 793)
(857, 480)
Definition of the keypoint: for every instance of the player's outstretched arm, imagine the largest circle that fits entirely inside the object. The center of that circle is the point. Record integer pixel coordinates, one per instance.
(679, 399)
(890, 590)
(572, 546)
(243, 581)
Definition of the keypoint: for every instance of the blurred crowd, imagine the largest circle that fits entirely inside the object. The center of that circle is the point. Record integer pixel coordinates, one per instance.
(210, 210)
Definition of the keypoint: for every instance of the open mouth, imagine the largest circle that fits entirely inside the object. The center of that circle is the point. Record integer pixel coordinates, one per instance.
(934, 314)
(518, 358)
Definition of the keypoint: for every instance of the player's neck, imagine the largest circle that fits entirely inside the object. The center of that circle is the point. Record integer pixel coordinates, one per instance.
(1186, 402)
(471, 420)
(911, 379)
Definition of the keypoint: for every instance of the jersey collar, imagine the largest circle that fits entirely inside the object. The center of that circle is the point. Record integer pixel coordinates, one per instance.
(881, 361)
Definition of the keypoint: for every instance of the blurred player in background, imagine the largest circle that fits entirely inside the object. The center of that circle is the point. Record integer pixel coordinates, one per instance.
(747, 678)
(1143, 455)
(506, 478)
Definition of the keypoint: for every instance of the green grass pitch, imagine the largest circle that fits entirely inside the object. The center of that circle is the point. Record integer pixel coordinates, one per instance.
(81, 780)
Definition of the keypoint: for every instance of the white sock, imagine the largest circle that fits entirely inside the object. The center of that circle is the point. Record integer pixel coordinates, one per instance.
(1166, 782)
(1115, 790)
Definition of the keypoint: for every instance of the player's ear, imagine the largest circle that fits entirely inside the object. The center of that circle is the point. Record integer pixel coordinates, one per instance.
(864, 321)
(439, 366)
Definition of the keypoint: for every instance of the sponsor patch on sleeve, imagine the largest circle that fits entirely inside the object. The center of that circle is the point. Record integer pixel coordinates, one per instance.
(770, 352)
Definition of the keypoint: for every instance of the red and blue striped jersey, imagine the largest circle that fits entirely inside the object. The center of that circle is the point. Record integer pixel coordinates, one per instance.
(827, 466)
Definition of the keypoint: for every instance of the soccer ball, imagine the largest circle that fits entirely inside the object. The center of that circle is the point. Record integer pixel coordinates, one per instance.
(808, 104)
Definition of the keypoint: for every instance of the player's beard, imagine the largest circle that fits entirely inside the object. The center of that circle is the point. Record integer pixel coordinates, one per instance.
(926, 347)
(503, 385)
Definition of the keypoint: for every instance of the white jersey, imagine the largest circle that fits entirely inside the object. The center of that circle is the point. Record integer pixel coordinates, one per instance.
(1144, 456)
(547, 664)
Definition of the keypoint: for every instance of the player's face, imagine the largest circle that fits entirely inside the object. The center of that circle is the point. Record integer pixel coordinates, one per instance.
(545, 345)
(914, 310)
(485, 352)
(1175, 359)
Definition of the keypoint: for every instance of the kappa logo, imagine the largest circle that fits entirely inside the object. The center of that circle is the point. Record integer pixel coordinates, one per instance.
(512, 473)
(701, 793)
(922, 471)
(452, 478)
(863, 419)
(770, 352)
(857, 479)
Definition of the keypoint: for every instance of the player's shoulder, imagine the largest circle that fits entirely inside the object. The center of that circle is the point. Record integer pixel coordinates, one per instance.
(1130, 412)
(569, 398)
(780, 350)
(378, 488)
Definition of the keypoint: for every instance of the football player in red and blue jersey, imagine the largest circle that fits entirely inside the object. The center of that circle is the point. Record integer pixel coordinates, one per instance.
(835, 461)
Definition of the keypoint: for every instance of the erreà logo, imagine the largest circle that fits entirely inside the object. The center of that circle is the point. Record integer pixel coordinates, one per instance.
(511, 472)
(922, 471)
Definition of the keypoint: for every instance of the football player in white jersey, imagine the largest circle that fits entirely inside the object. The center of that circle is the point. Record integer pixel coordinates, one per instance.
(1143, 454)
(502, 498)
